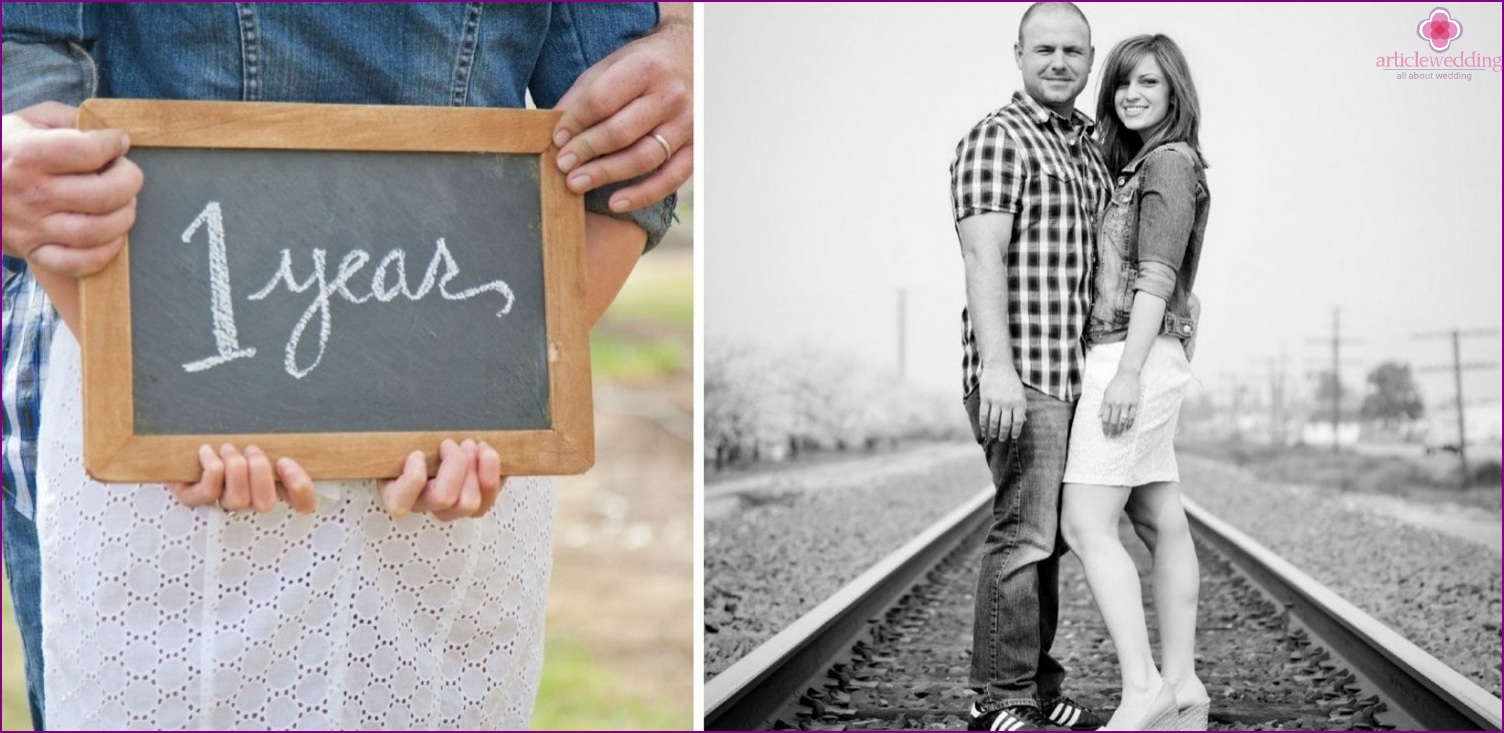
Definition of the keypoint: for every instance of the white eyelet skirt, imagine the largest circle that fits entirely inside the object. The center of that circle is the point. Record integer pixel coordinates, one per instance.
(161, 617)
(1145, 453)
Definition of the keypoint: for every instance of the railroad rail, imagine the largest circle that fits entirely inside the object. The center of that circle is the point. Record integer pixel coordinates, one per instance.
(1418, 691)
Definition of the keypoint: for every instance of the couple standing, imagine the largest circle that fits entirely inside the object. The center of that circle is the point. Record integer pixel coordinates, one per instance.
(1074, 238)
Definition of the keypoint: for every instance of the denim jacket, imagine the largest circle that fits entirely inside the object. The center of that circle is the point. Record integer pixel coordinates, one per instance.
(439, 54)
(1149, 239)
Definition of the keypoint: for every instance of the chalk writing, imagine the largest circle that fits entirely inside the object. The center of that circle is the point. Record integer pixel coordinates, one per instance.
(393, 266)
(221, 307)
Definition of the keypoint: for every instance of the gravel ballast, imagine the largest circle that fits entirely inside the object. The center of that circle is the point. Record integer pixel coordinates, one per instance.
(788, 545)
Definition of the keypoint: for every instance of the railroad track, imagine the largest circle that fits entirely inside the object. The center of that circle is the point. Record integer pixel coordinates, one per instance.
(1277, 650)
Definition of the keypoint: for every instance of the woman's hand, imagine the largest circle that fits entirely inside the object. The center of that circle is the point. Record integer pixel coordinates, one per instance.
(236, 481)
(466, 484)
(1120, 404)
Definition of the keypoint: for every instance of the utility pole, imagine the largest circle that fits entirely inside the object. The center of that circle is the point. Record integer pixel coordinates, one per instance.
(1457, 368)
(1236, 390)
(1277, 398)
(1336, 342)
(901, 323)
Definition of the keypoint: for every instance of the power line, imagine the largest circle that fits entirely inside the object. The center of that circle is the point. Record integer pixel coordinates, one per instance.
(1457, 368)
(1336, 342)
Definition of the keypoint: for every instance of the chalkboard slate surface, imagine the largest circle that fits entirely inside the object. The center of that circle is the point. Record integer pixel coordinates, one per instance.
(339, 284)
(370, 372)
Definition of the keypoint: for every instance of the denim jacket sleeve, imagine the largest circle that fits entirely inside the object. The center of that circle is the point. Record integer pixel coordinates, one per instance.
(57, 71)
(580, 36)
(1167, 212)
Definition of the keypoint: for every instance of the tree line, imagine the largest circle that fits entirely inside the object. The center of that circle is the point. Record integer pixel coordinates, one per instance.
(764, 404)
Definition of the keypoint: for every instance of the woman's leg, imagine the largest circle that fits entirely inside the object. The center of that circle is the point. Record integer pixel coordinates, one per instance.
(1159, 517)
(1089, 522)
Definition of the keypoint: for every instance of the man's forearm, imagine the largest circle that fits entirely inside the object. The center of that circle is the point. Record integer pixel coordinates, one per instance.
(987, 302)
(984, 248)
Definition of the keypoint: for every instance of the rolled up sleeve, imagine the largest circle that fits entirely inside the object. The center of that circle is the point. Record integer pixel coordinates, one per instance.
(987, 174)
(580, 35)
(1167, 213)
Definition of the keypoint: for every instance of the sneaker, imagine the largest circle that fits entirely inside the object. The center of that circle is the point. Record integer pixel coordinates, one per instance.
(1017, 717)
(1066, 712)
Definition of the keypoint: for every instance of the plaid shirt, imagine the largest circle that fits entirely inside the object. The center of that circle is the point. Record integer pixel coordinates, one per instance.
(28, 323)
(1048, 173)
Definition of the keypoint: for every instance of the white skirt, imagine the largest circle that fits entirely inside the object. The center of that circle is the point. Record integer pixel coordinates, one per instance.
(161, 617)
(1145, 453)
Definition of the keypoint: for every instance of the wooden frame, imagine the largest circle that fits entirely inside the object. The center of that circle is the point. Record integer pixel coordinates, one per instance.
(112, 449)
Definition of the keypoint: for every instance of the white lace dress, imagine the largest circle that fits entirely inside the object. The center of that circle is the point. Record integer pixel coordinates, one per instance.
(157, 616)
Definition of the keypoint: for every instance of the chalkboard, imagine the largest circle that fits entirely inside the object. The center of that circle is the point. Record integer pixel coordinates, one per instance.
(338, 284)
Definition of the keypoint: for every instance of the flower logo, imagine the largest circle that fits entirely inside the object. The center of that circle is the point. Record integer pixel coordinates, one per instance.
(1439, 29)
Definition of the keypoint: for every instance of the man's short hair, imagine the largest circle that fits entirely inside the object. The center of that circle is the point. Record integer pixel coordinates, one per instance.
(1061, 5)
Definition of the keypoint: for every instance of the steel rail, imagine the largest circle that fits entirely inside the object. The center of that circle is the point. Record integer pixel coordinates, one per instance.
(1422, 691)
(754, 689)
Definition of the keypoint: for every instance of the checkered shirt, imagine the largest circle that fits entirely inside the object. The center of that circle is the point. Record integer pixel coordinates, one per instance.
(1049, 174)
(28, 323)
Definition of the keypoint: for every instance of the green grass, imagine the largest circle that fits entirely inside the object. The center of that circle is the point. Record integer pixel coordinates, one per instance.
(647, 331)
(17, 715)
(580, 694)
(667, 297)
(614, 357)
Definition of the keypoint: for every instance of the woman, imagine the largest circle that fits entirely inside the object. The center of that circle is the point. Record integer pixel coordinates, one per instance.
(1137, 370)
(164, 612)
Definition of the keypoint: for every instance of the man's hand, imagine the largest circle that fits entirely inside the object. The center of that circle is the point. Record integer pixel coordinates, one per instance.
(1001, 411)
(617, 111)
(466, 485)
(69, 195)
(1190, 343)
(237, 481)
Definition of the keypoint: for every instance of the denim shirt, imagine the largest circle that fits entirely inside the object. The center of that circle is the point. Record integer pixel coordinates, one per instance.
(442, 54)
(1149, 240)
(438, 54)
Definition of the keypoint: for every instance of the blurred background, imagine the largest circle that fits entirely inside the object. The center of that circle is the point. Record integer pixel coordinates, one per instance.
(1348, 361)
(619, 654)
(1350, 279)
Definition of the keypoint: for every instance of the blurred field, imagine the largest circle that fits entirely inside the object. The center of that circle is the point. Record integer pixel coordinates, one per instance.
(620, 617)
(1400, 471)
(15, 716)
(620, 649)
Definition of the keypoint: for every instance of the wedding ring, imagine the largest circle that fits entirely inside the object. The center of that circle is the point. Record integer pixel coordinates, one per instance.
(668, 151)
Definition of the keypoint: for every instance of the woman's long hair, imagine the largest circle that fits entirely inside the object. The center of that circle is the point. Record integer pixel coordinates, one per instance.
(1182, 121)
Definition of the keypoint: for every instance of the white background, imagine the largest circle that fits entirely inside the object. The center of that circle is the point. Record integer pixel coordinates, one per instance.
(828, 131)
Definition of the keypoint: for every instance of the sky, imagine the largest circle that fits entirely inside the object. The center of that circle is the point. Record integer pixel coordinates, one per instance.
(1336, 188)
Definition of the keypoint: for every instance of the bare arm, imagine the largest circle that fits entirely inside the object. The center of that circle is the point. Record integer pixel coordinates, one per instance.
(1120, 401)
(612, 248)
(984, 249)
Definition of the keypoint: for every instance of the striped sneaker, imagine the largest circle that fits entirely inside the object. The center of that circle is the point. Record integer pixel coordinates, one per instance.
(1066, 712)
(1017, 717)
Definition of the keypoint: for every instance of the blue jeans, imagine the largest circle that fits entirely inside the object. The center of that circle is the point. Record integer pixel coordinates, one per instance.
(23, 568)
(1018, 591)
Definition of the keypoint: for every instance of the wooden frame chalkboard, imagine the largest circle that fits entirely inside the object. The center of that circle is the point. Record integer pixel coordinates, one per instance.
(117, 448)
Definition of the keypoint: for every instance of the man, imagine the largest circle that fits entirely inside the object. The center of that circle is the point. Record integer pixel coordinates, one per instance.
(49, 50)
(1026, 186)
